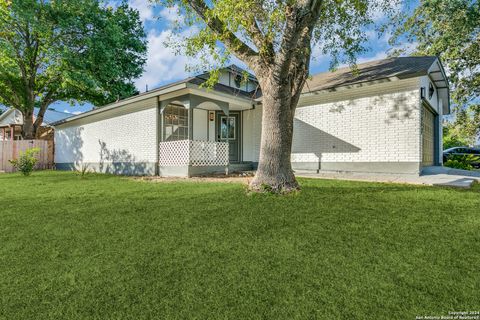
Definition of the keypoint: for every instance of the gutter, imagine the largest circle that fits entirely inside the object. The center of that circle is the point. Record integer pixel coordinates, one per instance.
(140, 97)
(169, 89)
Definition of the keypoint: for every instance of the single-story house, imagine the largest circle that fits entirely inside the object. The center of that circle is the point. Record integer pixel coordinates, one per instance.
(386, 118)
(11, 123)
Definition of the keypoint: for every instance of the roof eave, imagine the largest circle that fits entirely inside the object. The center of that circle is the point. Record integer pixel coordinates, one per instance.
(4, 115)
(146, 95)
(360, 84)
(442, 69)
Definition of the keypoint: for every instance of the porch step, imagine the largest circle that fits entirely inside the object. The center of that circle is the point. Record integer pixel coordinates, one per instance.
(242, 166)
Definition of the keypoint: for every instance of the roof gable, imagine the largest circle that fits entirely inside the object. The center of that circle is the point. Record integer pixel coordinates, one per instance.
(10, 116)
(14, 116)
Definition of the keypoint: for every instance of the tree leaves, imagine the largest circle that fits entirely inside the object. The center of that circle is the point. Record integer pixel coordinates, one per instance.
(256, 32)
(449, 29)
(68, 50)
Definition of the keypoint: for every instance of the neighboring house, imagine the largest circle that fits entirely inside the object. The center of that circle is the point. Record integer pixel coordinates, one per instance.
(386, 118)
(11, 123)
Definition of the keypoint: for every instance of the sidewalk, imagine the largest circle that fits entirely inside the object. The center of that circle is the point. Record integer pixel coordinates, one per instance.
(433, 176)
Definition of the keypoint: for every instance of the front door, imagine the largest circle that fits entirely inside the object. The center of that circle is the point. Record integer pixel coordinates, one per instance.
(228, 129)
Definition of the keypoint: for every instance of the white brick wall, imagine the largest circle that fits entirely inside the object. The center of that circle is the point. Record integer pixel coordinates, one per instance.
(373, 123)
(381, 128)
(126, 138)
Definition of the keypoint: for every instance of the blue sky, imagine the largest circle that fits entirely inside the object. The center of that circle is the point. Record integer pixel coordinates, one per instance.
(163, 66)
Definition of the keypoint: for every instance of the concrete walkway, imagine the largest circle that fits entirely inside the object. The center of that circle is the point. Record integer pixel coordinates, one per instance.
(433, 176)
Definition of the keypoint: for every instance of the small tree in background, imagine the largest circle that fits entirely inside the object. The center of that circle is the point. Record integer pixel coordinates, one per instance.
(449, 29)
(67, 50)
(464, 129)
(275, 40)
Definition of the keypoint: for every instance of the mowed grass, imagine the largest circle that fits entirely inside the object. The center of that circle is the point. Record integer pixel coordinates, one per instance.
(107, 247)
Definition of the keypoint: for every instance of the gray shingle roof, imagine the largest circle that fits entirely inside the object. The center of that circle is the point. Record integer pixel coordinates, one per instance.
(401, 67)
(52, 116)
(198, 80)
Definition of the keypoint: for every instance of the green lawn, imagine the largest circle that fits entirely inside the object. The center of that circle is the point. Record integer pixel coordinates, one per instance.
(107, 247)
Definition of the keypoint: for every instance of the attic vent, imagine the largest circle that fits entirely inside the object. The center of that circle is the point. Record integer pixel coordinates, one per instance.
(431, 90)
(238, 80)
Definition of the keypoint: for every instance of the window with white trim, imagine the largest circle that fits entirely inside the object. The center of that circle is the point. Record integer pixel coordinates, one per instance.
(175, 123)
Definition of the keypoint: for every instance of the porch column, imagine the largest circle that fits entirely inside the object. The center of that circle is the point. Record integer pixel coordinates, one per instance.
(12, 132)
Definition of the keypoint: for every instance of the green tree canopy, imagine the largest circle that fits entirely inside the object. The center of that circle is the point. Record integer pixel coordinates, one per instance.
(449, 29)
(67, 50)
(464, 129)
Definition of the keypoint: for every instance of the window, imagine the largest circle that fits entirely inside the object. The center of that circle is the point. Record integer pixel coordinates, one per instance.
(227, 128)
(238, 80)
(175, 123)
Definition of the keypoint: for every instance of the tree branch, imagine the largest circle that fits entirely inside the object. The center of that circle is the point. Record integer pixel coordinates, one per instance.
(231, 41)
(46, 101)
(263, 44)
(301, 20)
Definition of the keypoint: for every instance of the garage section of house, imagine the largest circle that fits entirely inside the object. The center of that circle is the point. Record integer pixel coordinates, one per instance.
(385, 119)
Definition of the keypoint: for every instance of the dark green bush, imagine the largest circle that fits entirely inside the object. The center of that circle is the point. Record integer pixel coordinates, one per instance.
(463, 162)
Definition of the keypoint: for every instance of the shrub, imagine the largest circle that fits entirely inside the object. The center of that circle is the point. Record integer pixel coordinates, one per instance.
(83, 171)
(461, 162)
(26, 161)
(456, 164)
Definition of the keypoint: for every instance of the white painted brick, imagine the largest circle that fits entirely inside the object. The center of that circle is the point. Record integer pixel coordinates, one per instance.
(382, 128)
(126, 138)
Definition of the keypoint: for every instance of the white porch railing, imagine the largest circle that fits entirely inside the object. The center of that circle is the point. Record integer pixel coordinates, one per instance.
(194, 153)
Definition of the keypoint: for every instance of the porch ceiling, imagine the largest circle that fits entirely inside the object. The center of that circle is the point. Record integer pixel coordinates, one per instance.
(205, 102)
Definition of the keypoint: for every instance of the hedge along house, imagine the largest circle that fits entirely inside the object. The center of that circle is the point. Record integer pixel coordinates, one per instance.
(386, 118)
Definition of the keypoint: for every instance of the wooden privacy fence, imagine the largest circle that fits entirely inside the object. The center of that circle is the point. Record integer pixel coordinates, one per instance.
(11, 150)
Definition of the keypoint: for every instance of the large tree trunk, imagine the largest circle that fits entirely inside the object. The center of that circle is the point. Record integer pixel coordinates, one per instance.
(28, 130)
(274, 173)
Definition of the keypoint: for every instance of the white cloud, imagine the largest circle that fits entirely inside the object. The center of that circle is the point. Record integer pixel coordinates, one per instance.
(362, 59)
(377, 10)
(72, 112)
(144, 8)
(170, 14)
(318, 57)
(378, 56)
(163, 65)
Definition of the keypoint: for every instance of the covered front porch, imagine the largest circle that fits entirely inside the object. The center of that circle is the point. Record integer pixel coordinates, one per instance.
(200, 135)
(10, 132)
